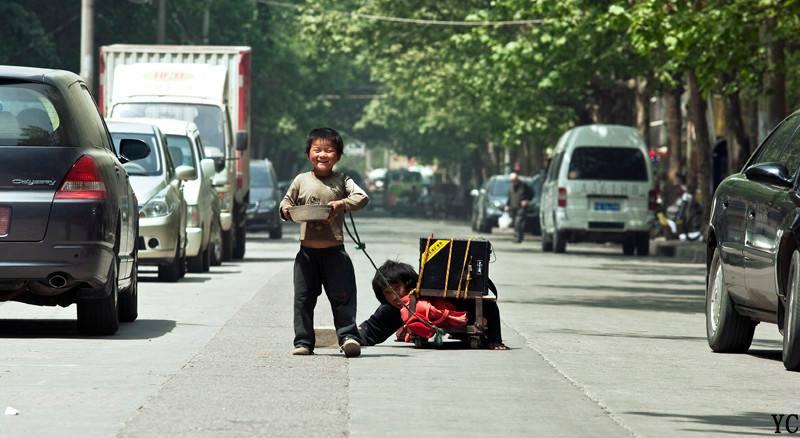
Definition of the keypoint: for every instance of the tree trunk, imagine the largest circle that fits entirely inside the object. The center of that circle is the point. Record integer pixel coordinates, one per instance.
(775, 83)
(673, 119)
(643, 110)
(701, 151)
(537, 158)
(738, 141)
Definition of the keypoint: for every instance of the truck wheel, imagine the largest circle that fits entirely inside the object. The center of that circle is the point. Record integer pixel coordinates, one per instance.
(726, 330)
(129, 297)
(241, 238)
(791, 319)
(207, 258)
(100, 316)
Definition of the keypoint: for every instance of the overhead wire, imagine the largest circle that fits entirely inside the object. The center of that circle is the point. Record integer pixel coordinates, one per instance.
(416, 21)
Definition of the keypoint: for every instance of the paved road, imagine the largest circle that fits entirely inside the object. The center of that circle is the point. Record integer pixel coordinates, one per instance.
(603, 345)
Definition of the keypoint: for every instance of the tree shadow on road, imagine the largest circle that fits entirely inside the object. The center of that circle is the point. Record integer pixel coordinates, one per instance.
(656, 300)
(68, 329)
(629, 335)
(745, 423)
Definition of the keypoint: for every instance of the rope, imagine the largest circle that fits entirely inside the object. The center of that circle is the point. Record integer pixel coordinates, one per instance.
(360, 245)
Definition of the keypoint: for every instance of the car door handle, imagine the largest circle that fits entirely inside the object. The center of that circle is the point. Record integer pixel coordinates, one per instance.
(752, 214)
(725, 204)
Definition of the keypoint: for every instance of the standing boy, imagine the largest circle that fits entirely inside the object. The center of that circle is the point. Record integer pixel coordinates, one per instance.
(322, 260)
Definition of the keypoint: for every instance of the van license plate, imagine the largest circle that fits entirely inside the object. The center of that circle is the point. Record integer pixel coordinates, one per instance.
(606, 206)
(5, 220)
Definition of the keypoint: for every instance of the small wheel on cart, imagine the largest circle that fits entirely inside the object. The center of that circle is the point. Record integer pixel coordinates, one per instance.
(474, 342)
(420, 342)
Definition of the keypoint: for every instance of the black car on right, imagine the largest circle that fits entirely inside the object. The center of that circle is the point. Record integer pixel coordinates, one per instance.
(753, 255)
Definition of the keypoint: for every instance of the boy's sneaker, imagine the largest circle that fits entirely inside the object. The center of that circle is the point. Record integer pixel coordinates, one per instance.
(351, 347)
(301, 350)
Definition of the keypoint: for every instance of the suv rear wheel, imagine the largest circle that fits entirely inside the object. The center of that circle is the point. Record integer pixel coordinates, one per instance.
(99, 316)
(559, 240)
(726, 330)
(643, 244)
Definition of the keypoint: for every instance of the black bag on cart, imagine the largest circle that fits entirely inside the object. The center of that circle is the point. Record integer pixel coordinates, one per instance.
(454, 267)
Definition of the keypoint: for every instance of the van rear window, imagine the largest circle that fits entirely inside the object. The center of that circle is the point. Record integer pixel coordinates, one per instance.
(607, 163)
(30, 115)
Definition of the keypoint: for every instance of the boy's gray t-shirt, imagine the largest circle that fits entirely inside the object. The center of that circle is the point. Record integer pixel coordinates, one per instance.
(308, 189)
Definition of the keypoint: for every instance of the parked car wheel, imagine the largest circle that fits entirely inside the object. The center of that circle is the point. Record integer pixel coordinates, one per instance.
(100, 316)
(547, 242)
(129, 297)
(629, 245)
(207, 258)
(228, 238)
(791, 320)
(559, 241)
(198, 262)
(170, 272)
(277, 232)
(216, 246)
(726, 330)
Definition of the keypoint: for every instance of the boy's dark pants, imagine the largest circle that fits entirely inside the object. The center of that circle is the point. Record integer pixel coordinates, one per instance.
(331, 268)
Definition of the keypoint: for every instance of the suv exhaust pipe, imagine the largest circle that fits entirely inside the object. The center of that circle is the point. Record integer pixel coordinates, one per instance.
(57, 281)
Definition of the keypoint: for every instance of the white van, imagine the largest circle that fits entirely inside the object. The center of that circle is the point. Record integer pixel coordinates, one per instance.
(598, 188)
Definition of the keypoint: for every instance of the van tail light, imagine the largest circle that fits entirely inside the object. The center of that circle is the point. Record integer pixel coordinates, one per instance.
(562, 197)
(651, 200)
(83, 181)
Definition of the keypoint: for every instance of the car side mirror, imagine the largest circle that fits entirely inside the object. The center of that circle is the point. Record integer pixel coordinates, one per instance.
(795, 197)
(241, 140)
(208, 166)
(770, 173)
(186, 173)
(474, 193)
(131, 149)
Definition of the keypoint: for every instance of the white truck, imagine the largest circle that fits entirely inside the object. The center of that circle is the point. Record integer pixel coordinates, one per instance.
(207, 85)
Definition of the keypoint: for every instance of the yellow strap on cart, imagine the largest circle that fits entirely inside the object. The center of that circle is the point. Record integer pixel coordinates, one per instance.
(463, 266)
(422, 263)
(447, 273)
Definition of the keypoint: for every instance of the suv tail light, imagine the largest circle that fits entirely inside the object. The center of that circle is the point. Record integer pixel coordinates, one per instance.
(651, 200)
(83, 181)
(562, 197)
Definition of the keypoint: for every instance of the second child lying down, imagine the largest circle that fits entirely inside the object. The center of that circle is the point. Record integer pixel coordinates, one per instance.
(387, 317)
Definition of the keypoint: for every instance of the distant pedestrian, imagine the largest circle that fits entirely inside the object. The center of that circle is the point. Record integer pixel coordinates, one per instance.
(322, 259)
(519, 195)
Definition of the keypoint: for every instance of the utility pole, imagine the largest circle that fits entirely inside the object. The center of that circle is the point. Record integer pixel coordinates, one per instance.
(207, 21)
(87, 42)
(162, 21)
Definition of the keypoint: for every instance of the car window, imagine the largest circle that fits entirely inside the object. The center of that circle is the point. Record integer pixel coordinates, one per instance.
(607, 163)
(30, 115)
(260, 176)
(772, 149)
(180, 150)
(209, 119)
(499, 187)
(555, 164)
(147, 166)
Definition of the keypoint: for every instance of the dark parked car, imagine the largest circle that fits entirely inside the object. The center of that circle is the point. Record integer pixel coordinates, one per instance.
(753, 260)
(265, 196)
(68, 215)
(490, 200)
